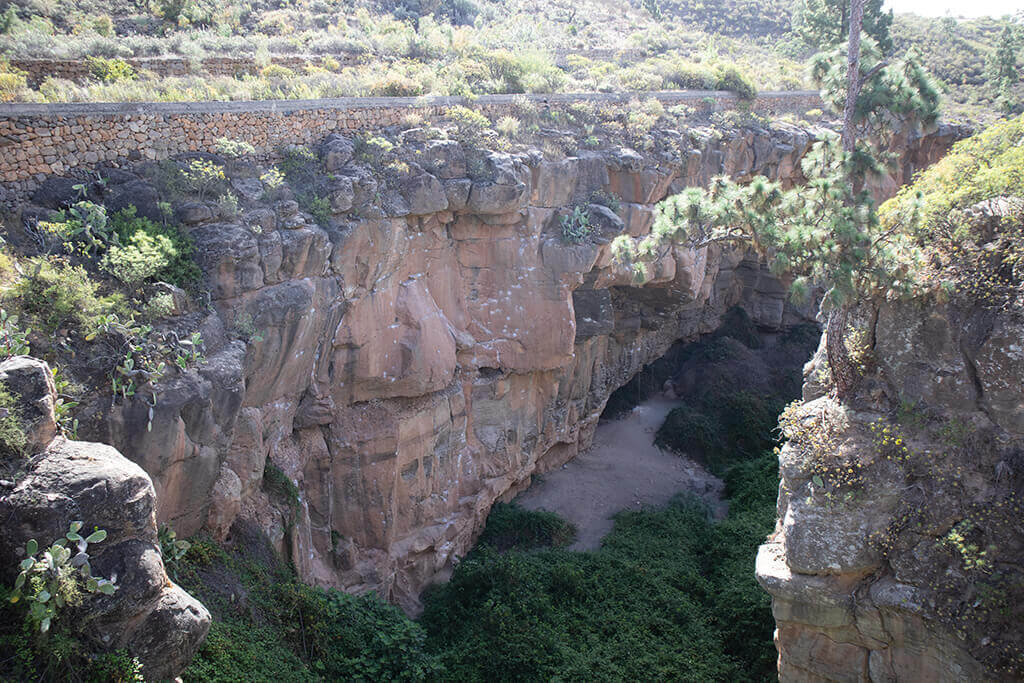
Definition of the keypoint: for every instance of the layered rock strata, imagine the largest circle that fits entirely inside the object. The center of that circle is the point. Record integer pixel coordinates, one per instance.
(433, 345)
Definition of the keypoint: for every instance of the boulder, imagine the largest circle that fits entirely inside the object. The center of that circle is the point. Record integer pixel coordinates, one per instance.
(30, 382)
(148, 615)
(424, 194)
(337, 151)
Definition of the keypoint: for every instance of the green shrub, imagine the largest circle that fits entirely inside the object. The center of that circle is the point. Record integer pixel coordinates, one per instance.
(142, 256)
(203, 177)
(277, 483)
(289, 631)
(234, 149)
(58, 578)
(732, 79)
(721, 428)
(110, 70)
(12, 81)
(13, 340)
(181, 269)
(357, 637)
(470, 123)
(511, 527)
(103, 25)
(669, 596)
(12, 433)
(276, 72)
(56, 294)
(576, 227)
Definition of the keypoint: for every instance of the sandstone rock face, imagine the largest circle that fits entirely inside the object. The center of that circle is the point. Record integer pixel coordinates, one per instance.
(148, 615)
(431, 347)
(898, 552)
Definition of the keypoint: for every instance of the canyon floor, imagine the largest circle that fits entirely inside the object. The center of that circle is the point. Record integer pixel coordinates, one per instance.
(623, 469)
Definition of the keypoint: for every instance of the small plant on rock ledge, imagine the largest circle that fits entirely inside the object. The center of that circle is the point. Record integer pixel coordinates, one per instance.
(576, 227)
(58, 576)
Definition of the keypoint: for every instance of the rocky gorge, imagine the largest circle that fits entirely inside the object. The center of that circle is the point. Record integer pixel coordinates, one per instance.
(377, 376)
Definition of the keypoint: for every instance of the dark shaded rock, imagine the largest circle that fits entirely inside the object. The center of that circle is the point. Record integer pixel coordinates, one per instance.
(136, 193)
(249, 189)
(445, 159)
(494, 198)
(424, 194)
(457, 193)
(337, 151)
(56, 192)
(30, 381)
(594, 313)
(193, 213)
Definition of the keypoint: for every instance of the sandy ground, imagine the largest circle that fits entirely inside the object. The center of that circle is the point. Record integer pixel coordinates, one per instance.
(623, 469)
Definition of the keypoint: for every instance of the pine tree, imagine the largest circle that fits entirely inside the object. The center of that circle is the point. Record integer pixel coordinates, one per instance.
(825, 232)
(826, 23)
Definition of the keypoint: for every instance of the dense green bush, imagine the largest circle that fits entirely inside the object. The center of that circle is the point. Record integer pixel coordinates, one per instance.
(110, 70)
(512, 527)
(268, 626)
(55, 294)
(178, 267)
(669, 596)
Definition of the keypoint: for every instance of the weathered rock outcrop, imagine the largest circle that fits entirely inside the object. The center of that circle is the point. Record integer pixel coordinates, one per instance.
(898, 555)
(148, 616)
(434, 344)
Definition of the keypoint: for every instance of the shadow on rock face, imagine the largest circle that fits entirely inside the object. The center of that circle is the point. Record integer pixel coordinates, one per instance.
(148, 615)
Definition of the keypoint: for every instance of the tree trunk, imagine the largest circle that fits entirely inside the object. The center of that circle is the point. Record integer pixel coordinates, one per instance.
(853, 82)
(844, 373)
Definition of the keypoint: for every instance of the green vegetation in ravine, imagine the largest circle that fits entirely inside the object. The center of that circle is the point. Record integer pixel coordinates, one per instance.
(268, 625)
(670, 595)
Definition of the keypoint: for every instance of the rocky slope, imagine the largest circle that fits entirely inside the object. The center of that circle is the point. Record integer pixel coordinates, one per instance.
(148, 615)
(898, 552)
(432, 345)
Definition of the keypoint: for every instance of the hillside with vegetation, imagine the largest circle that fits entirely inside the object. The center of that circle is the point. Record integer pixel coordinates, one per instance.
(472, 47)
(266, 404)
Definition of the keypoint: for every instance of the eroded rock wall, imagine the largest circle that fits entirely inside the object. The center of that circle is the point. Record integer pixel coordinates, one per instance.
(899, 549)
(434, 346)
(148, 615)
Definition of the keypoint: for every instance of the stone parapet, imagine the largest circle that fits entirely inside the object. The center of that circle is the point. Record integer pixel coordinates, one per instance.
(37, 140)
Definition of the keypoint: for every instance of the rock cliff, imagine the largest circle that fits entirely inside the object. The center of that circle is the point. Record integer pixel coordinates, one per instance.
(431, 344)
(148, 615)
(898, 552)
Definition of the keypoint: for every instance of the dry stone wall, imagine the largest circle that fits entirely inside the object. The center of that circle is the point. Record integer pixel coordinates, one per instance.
(38, 70)
(60, 139)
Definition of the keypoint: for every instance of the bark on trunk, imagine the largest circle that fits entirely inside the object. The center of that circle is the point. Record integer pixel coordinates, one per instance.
(852, 73)
(844, 373)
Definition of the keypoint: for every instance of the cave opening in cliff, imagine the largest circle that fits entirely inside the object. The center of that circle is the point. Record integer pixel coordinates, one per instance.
(648, 382)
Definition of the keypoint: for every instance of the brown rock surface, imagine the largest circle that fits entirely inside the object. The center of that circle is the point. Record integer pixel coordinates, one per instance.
(148, 615)
(422, 355)
(879, 578)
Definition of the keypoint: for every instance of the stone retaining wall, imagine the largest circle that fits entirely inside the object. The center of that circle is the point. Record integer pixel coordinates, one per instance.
(77, 70)
(37, 140)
